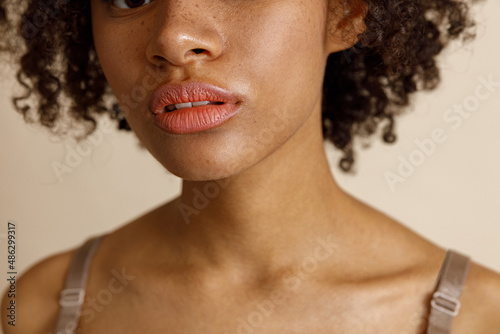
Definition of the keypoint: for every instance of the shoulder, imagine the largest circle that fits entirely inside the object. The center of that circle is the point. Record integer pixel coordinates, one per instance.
(37, 295)
(480, 301)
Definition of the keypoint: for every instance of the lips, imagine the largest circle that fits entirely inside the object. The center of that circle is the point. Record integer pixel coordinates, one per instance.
(192, 107)
(171, 94)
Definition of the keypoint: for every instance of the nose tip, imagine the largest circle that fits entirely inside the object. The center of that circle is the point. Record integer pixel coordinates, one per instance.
(181, 39)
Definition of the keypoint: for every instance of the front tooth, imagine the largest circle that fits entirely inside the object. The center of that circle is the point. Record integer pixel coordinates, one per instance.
(183, 105)
(200, 103)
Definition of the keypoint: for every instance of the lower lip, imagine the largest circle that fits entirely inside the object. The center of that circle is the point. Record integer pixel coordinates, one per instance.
(196, 119)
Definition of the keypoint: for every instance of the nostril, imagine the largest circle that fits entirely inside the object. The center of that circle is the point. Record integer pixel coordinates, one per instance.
(197, 51)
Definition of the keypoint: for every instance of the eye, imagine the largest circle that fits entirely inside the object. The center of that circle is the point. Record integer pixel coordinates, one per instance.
(130, 3)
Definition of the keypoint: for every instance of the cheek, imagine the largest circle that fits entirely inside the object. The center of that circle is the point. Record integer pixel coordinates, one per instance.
(286, 38)
(282, 58)
(284, 45)
(117, 49)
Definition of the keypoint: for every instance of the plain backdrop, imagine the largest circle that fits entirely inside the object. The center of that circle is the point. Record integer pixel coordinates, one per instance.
(452, 195)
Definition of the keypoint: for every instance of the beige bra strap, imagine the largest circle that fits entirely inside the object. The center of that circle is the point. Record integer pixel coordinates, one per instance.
(74, 290)
(445, 302)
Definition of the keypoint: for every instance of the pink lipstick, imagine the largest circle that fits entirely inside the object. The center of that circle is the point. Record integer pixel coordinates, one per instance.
(192, 107)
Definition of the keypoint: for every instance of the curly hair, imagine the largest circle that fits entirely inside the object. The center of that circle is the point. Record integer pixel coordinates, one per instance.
(364, 86)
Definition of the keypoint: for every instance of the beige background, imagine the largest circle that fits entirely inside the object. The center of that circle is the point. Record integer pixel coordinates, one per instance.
(452, 198)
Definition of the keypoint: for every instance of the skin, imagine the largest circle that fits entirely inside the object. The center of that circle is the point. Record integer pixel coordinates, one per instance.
(276, 201)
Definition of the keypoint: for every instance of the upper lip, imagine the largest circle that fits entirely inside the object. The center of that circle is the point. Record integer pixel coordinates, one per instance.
(188, 92)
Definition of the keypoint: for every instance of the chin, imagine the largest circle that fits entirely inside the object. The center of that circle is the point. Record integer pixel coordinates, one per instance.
(204, 173)
(202, 165)
(209, 155)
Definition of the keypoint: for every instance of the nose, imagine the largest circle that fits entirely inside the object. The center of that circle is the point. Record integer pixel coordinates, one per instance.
(184, 32)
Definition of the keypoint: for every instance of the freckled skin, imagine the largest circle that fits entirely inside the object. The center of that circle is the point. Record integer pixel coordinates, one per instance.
(266, 214)
(275, 196)
(258, 35)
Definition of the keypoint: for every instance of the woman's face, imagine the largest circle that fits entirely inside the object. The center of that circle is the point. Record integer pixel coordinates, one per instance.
(271, 54)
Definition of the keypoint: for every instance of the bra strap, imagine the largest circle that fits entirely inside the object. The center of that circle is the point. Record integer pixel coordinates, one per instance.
(445, 302)
(73, 294)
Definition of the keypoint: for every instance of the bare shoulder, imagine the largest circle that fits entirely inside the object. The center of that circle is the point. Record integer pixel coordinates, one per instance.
(37, 296)
(480, 301)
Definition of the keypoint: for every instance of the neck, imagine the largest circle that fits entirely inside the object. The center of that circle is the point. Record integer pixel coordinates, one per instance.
(268, 217)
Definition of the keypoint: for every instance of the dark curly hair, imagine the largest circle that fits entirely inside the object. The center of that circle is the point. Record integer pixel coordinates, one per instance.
(366, 85)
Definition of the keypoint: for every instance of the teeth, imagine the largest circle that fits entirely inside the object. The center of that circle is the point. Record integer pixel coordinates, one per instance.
(201, 103)
(172, 107)
(183, 105)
